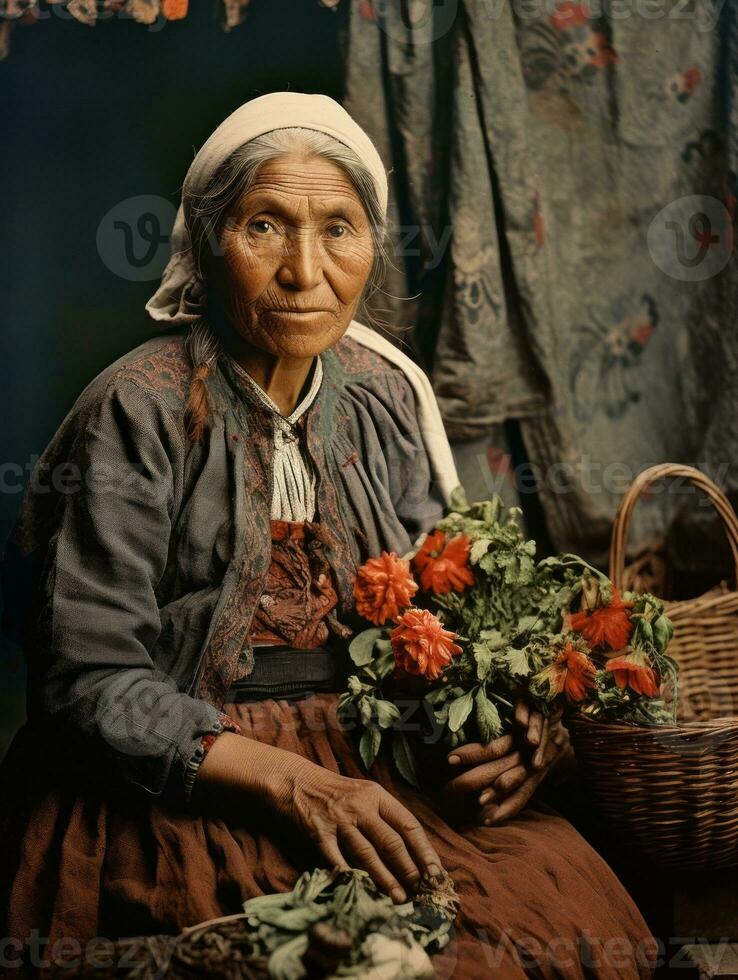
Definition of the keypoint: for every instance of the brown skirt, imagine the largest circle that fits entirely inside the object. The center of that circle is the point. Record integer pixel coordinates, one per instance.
(537, 901)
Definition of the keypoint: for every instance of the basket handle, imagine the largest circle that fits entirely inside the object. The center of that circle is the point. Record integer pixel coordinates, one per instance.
(630, 498)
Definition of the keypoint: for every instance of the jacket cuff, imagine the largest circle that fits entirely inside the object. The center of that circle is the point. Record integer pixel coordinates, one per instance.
(223, 724)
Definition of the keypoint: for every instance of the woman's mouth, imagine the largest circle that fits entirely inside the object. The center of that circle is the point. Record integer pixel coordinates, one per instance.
(309, 311)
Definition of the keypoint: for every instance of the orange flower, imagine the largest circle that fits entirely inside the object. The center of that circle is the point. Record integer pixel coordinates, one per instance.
(632, 671)
(571, 673)
(444, 566)
(606, 626)
(421, 645)
(174, 9)
(383, 587)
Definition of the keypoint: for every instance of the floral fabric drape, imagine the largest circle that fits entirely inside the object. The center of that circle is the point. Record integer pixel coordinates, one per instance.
(547, 141)
(231, 13)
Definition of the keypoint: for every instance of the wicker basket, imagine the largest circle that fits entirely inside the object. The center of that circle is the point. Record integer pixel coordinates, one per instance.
(672, 792)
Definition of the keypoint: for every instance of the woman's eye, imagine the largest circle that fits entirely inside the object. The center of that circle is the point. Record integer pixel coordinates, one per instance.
(261, 227)
(338, 231)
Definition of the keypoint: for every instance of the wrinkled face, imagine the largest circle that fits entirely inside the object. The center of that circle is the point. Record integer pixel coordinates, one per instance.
(297, 252)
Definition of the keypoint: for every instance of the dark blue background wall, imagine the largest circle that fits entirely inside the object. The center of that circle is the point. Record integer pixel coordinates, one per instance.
(90, 118)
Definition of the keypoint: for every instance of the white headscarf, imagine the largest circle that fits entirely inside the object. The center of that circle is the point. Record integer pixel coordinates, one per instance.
(179, 300)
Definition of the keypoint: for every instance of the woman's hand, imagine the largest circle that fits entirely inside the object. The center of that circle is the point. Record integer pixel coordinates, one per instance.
(357, 823)
(507, 771)
(354, 822)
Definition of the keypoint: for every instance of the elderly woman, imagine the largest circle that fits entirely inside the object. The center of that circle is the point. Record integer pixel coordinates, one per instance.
(192, 534)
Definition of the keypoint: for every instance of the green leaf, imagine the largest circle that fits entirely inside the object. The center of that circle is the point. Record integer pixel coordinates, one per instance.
(310, 884)
(493, 639)
(479, 548)
(293, 920)
(483, 657)
(460, 710)
(488, 718)
(458, 501)
(517, 660)
(366, 710)
(437, 695)
(387, 713)
(255, 906)
(285, 963)
(404, 758)
(663, 630)
(361, 648)
(455, 739)
(371, 739)
(441, 715)
(518, 569)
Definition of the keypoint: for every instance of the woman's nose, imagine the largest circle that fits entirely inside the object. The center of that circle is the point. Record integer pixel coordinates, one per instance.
(300, 267)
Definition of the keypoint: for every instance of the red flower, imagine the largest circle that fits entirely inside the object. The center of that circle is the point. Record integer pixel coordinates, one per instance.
(606, 54)
(444, 566)
(692, 78)
(421, 645)
(571, 673)
(538, 226)
(605, 626)
(383, 587)
(644, 331)
(632, 671)
(569, 14)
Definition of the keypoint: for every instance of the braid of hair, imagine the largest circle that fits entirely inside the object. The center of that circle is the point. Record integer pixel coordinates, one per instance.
(202, 348)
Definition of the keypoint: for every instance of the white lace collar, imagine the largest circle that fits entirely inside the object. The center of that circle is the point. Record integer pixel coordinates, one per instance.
(264, 398)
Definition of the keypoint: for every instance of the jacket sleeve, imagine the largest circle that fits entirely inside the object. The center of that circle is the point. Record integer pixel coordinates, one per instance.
(113, 488)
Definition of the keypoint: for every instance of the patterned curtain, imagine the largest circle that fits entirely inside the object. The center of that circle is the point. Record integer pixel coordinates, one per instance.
(564, 197)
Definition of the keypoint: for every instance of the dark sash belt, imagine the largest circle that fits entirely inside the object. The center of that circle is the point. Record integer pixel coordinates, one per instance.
(288, 673)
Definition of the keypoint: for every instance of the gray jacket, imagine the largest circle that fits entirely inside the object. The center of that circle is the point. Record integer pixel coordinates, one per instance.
(144, 555)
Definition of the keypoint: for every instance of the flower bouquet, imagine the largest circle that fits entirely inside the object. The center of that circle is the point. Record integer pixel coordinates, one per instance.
(469, 622)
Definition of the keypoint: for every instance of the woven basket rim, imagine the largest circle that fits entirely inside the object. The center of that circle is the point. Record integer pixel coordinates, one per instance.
(713, 600)
(682, 728)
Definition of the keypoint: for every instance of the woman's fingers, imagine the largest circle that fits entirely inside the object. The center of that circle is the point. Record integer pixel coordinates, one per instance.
(415, 838)
(535, 728)
(511, 780)
(490, 795)
(483, 776)
(367, 857)
(509, 801)
(522, 713)
(328, 844)
(539, 754)
(474, 753)
(393, 852)
(497, 813)
(559, 734)
(549, 750)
